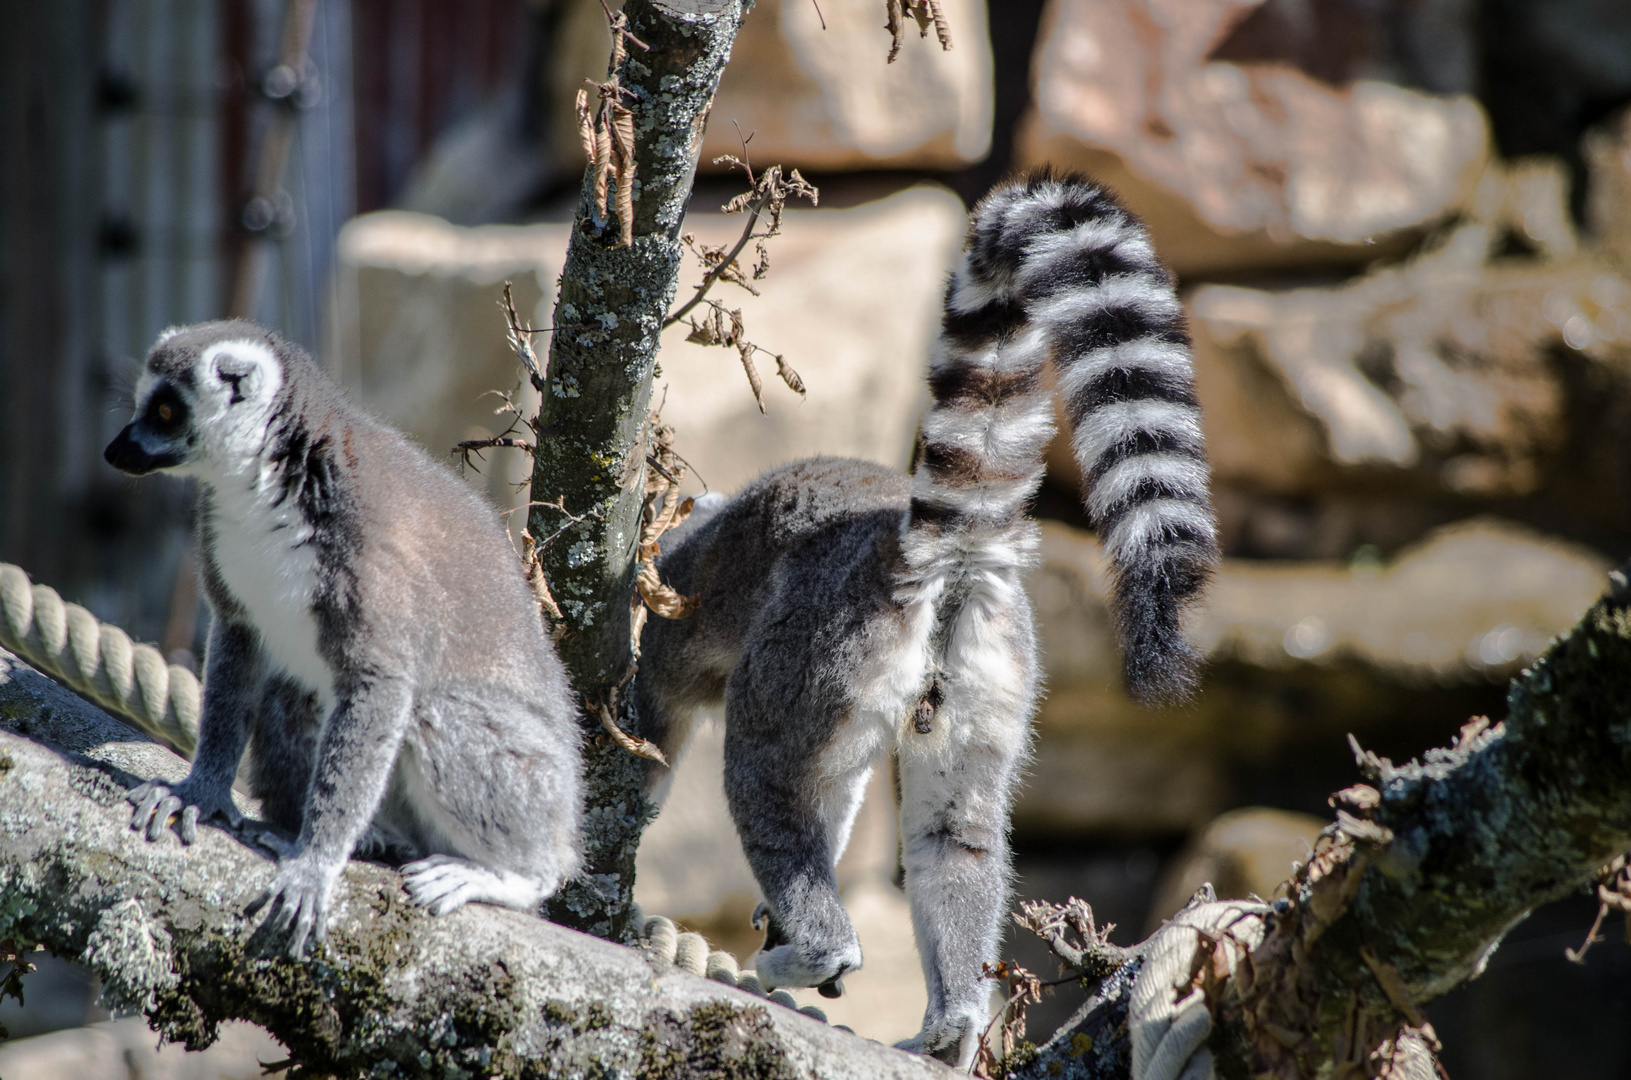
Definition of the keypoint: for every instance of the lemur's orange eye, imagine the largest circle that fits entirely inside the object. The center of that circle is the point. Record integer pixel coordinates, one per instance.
(166, 413)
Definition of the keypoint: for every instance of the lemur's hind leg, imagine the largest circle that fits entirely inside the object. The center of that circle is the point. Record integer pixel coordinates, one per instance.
(956, 786)
(837, 803)
(491, 796)
(793, 812)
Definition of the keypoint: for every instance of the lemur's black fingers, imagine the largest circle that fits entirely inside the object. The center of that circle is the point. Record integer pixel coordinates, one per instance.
(188, 825)
(147, 799)
(168, 806)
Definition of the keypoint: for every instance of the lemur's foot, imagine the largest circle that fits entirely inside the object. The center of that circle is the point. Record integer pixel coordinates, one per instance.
(954, 1038)
(781, 961)
(444, 883)
(156, 803)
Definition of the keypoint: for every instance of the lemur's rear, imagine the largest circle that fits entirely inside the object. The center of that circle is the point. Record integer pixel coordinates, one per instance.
(848, 610)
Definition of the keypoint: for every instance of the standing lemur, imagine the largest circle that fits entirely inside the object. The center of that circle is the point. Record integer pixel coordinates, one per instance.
(374, 643)
(847, 610)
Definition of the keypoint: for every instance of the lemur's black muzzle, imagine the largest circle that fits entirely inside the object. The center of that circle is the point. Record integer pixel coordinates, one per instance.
(126, 454)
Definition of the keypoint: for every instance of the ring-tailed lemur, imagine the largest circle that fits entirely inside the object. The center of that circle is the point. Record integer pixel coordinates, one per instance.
(847, 610)
(374, 643)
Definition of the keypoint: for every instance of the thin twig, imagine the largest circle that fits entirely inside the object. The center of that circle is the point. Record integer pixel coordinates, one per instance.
(755, 208)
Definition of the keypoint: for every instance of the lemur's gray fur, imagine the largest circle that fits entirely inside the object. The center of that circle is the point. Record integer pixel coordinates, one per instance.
(374, 643)
(847, 610)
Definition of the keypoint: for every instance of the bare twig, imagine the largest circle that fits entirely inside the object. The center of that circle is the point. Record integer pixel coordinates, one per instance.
(1613, 891)
(1054, 923)
(769, 193)
(571, 519)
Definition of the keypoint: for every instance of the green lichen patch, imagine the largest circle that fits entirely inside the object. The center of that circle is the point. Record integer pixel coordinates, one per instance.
(718, 1040)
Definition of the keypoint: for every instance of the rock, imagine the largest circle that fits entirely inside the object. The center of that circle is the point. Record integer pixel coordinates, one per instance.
(1249, 165)
(816, 97)
(1438, 378)
(691, 868)
(1243, 853)
(852, 301)
(129, 1047)
(1300, 654)
(415, 331)
(1607, 150)
(1440, 375)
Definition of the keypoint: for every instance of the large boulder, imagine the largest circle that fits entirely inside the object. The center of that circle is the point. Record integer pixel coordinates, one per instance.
(811, 87)
(852, 301)
(1243, 165)
(1299, 654)
(1241, 854)
(1607, 149)
(416, 334)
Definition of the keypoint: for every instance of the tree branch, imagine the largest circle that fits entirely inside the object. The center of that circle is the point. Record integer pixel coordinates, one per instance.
(481, 992)
(1412, 889)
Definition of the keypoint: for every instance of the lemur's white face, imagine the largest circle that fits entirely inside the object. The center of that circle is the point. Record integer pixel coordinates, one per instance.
(202, 405)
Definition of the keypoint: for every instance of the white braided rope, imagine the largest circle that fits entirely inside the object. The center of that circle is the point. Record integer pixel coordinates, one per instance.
(690, 952)
(98, 661)
(1167, 1018)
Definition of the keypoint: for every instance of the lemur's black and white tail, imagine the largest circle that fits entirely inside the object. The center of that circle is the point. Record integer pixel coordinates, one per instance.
(1054, 267)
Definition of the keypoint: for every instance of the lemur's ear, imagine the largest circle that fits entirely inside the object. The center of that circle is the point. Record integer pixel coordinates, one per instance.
(242, 365)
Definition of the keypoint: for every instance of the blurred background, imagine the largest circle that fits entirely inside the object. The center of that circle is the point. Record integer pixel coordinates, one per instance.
(1403, 234)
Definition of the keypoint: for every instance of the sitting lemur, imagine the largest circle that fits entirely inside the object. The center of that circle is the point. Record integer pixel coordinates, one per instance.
(374, 644)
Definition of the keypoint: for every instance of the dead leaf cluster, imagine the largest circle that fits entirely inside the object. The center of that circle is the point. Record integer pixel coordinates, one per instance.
(607, 131)
(1275, 993)
(662, 511)
(722, 326)
(927, 13)
(1021, 990)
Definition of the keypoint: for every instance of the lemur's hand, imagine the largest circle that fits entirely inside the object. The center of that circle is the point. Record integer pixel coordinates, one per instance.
(157, 803)
(298, 898)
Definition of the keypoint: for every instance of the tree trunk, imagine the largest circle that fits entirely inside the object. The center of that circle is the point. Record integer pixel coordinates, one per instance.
(591, 452)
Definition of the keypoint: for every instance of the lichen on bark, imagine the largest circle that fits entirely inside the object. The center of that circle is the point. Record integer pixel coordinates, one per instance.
(608, 316)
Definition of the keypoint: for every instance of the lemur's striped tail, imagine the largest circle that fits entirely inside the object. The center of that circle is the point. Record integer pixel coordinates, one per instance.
(1053, 266)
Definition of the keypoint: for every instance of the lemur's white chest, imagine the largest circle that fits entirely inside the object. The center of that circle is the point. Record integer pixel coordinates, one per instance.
(267, 562)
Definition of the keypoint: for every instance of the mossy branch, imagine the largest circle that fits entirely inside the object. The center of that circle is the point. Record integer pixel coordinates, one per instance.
(483, 992)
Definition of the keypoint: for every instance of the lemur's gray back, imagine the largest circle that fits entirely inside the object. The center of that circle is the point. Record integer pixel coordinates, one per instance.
(1054, 267)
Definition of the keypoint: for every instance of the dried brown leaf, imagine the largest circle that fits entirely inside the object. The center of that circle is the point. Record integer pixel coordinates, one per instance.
(746, 352)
